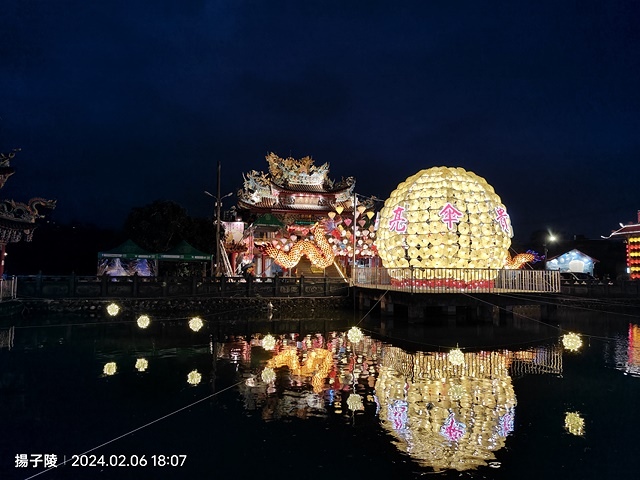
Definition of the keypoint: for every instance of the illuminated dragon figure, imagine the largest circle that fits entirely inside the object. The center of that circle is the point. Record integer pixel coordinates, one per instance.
(317, 365)
(318, 251)
(518, 261)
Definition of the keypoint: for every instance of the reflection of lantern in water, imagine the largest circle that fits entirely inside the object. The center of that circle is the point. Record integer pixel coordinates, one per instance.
(113, 309)
(572, 341)
(452, 429)
(354, 402)
(355, 335)
(194, 377)
(268, 375)
(195, 324)
(110, 368)
(142, 364)
(447, 416)
(143, 321)
(574, 423)
(456, 392)
(268, 342)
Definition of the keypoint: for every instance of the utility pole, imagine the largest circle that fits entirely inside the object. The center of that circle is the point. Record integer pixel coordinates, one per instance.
(218, 202)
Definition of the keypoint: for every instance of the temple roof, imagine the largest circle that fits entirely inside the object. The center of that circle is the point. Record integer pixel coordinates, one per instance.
(294, 185)
(633, 229)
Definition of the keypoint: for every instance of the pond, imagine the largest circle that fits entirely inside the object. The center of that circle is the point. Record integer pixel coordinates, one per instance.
(103, 397)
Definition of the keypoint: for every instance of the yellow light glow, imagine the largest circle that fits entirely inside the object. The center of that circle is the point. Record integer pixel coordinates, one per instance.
(339, 209)
(572, 341)
(143, 321)
(355, 335)
(142, 364)
(331, 215)
(113, 309)
(194, 377)
(354, 402)
(268, 375)
(110, 368)
(445, 207)
(574, 423)
(195, 324)
(268, 342)
(318, 251)
(456, 357)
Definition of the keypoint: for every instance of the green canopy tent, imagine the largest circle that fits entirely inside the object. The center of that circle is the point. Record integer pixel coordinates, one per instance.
(127, 259)
(186, 253)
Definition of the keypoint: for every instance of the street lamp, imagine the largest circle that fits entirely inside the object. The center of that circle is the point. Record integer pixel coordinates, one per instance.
(547, 240)
(218, 204)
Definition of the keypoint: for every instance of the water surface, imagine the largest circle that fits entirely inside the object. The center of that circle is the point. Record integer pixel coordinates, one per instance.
(299, 397)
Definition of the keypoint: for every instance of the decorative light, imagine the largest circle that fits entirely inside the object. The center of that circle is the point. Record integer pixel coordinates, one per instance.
(572, 341)
(574, 423)
(331, 215)
(456, 357)
(318, 251)
(143, 321)
(142, 364)
(268, 342)
(370, 214)
(110, 368)
(339, 209)
(268, 375)
(453, 430)
(113, 309)
(454, 220)
(355, 335)
(354, 402)
(456, 392)
(361, 208)
(194, 377)
(195, 324)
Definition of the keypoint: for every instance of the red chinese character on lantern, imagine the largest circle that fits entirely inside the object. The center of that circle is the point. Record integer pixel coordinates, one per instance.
(398, 223)
(502, 217)
(450, 215)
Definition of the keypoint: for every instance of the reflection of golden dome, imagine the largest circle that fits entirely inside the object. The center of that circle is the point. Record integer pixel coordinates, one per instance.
(421, 405)
(453, 202)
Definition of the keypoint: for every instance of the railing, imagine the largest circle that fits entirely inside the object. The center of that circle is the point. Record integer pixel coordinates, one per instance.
(75, 286)
(458, 280)
(7, 288)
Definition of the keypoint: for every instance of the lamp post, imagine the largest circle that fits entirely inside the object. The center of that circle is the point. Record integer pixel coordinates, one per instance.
(550, 238)
(218, 199)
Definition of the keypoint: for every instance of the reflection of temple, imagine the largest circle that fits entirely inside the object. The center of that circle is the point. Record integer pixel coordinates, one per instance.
(17, 220)
(444, 415)
(284, 205)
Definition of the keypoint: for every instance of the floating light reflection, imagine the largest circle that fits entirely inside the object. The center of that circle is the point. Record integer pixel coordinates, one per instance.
(110, 368)
(113, 309)
(195, 324)
(194, 377)
(143, 321)
(572, 341)
(142, 364)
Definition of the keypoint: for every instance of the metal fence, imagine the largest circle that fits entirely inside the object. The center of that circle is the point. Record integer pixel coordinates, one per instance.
(7, 288)
(457, 280)
(75, 286)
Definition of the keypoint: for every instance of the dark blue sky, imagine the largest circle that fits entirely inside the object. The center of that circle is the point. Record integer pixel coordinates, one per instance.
(116, 104)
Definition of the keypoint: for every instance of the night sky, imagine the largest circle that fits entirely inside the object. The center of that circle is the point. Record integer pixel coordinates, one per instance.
(115, 104)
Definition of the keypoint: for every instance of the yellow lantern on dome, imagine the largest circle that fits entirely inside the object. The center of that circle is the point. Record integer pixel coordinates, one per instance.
(452, 219)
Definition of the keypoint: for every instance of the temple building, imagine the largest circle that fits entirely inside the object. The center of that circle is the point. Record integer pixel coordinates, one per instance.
(17, 220)
(300, 221)
(631, 235)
